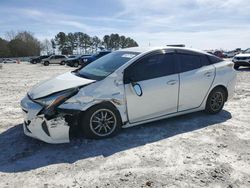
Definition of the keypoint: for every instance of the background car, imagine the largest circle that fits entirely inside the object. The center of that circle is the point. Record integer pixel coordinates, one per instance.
(219, 54)
(242, 59)
(38, 59)
(9, 61)
(88, 59)
(76, 61)
(230, 54)
(55, 59)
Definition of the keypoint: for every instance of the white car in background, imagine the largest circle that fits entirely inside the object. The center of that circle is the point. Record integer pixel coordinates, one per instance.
(9, 61)
(242, 59)
(126, 88)
(54, 59)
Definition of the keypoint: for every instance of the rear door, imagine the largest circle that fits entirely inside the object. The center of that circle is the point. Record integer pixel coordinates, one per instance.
(157, 77)
(196, 78)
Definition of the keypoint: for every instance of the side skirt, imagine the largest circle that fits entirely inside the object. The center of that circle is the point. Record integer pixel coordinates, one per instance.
(127, 125)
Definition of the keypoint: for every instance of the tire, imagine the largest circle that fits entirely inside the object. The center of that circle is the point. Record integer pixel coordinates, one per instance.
(236, 67)
(62, 63)
(46, 63)
(76, 64)
(96, 122)
(215, 101)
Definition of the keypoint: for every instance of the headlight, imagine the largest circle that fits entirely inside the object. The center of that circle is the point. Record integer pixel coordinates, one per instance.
(85, 60)
(57, 99)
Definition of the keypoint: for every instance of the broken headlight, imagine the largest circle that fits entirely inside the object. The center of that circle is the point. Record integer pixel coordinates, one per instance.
(56, 99)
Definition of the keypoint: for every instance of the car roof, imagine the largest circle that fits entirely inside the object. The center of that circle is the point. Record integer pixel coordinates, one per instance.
(149, 49)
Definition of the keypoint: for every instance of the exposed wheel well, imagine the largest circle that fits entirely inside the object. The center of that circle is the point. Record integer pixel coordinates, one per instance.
(222, 87)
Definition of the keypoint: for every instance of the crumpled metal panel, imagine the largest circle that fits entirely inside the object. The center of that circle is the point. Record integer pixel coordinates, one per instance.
(110, 89)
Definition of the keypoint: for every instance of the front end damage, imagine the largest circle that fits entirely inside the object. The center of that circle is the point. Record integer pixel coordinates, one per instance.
(50, 125)
(53, 117)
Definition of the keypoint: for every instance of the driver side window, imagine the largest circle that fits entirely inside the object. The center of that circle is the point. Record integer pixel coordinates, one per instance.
(153, 66)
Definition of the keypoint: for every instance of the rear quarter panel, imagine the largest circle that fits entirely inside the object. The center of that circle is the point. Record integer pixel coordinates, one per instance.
(225, 76)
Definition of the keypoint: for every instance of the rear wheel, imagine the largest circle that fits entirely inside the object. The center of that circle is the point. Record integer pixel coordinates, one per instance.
(62, 63)
(46, 63)
(101, 121)
(76, 64)
(215, 101)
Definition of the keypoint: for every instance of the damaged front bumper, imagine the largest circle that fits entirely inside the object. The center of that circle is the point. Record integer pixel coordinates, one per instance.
(36, 125)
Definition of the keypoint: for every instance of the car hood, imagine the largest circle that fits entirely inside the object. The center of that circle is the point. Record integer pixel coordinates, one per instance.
(243, 55)
(59, 83)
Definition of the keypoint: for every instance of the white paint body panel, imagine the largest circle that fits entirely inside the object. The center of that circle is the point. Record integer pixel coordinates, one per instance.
(194, 86)
(158, 98)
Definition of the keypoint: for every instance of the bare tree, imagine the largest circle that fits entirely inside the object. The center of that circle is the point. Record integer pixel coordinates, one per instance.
(47, 46)
(10, 35)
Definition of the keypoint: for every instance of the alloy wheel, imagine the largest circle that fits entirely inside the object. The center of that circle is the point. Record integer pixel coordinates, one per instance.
(103, 122)
(216, 101)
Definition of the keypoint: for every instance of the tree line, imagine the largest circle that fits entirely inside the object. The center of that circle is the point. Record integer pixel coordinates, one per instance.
(24, 43)
(68, 43)
(20, 44)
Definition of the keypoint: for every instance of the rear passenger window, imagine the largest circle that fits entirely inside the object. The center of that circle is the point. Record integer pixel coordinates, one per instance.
(214, 59)
(204, 60)
(189, 62)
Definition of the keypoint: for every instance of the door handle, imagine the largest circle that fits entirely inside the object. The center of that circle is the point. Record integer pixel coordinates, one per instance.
(172, 82)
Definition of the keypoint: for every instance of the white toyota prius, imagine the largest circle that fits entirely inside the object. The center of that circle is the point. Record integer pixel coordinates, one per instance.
(125, 88)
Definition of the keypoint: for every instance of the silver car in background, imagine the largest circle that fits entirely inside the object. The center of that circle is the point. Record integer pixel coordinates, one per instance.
(126, 88)
(9, 61)
(54, 59)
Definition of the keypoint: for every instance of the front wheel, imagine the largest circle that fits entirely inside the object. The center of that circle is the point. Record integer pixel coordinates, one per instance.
(46, 63)
(101, 121)
(62, 63)
(215, 101)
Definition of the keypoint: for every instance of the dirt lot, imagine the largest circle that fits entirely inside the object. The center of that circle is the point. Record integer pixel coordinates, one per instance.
(195, 150)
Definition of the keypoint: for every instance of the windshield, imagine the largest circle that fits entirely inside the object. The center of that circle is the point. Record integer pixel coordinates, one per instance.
(247, 51)
(105, 65)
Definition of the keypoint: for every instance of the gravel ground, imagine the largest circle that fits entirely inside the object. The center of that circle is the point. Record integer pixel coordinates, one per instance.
(195, 150)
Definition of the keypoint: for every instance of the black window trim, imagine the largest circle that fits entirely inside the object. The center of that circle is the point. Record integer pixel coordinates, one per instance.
(188, 52)
(156, 52)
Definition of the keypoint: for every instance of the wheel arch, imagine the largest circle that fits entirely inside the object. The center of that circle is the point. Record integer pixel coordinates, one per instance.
(108, 103)
(85, 116)
(222, 87)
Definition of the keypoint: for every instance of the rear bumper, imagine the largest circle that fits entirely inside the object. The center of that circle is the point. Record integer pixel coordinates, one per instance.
(35, 125)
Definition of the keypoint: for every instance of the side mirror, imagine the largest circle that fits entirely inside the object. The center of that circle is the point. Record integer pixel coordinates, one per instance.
(137, 89)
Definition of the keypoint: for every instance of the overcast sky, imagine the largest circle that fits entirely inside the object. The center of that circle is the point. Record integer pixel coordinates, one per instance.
(203, 24)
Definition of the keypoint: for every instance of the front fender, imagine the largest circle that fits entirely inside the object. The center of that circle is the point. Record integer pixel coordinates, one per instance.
(107, 90)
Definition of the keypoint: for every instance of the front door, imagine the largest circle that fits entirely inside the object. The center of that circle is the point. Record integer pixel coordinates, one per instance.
(156, 75)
